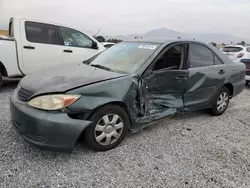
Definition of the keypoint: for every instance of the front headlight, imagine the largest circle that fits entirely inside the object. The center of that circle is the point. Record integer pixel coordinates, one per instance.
(53, 102)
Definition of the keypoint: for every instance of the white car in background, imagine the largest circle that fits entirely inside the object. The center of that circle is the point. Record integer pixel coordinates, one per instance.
(33, 45)
(107, 44)
(237, 52)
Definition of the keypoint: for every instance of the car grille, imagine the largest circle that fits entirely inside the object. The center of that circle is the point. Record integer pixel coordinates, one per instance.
(24, 94)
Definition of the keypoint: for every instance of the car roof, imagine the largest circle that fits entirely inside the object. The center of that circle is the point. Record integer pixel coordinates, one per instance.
(163, 40)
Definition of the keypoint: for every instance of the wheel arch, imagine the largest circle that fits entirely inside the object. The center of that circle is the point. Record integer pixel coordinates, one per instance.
(3, 70)
(118, 103)
(230, 87)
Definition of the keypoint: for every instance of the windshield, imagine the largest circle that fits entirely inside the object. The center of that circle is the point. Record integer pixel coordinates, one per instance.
(125, 57)
(232, 49)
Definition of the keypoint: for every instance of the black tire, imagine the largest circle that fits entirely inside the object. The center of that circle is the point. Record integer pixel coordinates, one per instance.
(214, 110)
(247, 82)
(1, 80)
(90, 133)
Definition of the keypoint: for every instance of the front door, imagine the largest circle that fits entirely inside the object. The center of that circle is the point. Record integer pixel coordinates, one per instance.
(163, 88)
(206, 74)
(76, 46)
(40, 47)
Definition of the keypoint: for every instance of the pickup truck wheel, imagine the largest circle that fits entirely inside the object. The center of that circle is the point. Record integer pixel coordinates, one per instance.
(109, 127)
(1, 79)
(221, 102)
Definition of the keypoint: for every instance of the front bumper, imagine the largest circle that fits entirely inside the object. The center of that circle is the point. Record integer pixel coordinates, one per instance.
(53, 130)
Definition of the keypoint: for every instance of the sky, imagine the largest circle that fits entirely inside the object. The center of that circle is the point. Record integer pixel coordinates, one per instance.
(122, 17)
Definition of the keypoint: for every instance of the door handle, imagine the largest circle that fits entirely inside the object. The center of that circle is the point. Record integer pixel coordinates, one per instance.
(180, 78)
(29, 47)
(221, 71)
(68, 51)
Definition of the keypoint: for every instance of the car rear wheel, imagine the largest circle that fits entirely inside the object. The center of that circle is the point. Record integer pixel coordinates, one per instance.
(247, 82)
(109, 127)
(221, 102)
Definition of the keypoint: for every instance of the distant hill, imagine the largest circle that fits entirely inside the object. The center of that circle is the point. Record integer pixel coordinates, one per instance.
(169, 33)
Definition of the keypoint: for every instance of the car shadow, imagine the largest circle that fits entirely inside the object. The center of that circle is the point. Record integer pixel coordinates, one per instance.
(247, 87)
(179, 116)
(9, 85)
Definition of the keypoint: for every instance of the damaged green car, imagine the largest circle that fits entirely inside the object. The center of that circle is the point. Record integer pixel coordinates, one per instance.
(124, 88)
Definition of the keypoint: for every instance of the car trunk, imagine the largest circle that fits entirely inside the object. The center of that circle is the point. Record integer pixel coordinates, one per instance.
(232, 52)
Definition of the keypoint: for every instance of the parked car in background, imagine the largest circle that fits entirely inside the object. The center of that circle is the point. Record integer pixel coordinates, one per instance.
(124, 88)
(108, 44)
(247, 63)
(33, 45)
(237, 52)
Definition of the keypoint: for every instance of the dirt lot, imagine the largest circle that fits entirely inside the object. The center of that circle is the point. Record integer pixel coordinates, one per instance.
(188, 150)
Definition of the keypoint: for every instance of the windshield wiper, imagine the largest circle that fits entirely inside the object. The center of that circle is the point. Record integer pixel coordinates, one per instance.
(101, 67)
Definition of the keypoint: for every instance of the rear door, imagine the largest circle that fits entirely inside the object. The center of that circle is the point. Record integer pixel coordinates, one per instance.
(207, 73)
(40, 47)
(164, 83)
(76, 46)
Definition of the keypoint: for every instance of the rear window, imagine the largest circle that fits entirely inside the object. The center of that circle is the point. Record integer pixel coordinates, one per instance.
(232, 49)
(40, 33)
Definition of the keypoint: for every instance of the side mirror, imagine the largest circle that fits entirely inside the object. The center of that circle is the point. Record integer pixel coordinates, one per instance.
(94, 45)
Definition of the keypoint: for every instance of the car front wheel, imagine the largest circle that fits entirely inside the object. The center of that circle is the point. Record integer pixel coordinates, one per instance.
(109, 127)
(221, 102)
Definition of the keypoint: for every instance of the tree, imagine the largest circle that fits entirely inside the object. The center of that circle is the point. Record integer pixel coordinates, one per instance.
(100, 38)
(214, 44)
(243, 43)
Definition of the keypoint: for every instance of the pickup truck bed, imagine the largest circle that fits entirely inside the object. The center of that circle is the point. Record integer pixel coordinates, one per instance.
(8, 58)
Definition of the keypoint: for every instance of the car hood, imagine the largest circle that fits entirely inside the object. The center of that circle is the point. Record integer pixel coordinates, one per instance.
(65, 77)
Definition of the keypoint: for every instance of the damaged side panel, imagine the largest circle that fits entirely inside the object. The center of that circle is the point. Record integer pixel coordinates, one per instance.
(203, 84)
(162, 94)
(121, 90)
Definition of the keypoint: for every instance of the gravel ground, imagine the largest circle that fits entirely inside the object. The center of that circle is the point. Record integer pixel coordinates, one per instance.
(191, 150)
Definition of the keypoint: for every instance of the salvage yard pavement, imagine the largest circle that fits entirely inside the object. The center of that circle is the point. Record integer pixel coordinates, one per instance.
(187, 150)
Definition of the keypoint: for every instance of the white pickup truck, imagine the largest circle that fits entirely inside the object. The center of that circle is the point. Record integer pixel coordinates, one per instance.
(33, 45)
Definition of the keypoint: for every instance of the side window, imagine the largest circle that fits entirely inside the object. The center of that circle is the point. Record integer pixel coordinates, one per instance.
(171, 59)
(217, 61)
(200, 56)
(248, 49)
(75, 38)
(40, 33)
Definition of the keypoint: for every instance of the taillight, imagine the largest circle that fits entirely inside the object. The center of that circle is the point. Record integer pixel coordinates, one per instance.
(240, 55)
